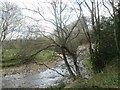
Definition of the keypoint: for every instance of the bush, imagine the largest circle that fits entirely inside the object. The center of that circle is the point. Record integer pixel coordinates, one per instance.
(106, 49)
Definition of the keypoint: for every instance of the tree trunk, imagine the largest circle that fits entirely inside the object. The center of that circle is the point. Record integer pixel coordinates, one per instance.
(76, 67)
(67, 64)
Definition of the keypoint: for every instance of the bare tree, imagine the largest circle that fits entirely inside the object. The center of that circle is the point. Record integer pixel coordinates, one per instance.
(85, 26)
(10, 21)
(64, 33)
(10, 18)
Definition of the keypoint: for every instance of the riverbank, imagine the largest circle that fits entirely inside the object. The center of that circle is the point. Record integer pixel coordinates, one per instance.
(32, 68)
(108, 78)
(38, 79)
(42, 79)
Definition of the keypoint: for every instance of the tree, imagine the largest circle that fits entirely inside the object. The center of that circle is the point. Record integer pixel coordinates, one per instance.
(64, 35)
(85, 28)
(10, 18)
(105, 35)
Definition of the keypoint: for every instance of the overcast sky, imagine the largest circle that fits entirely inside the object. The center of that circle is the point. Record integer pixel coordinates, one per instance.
(34, 4)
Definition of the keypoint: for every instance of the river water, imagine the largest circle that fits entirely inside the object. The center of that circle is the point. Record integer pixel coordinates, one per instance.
(43, 79)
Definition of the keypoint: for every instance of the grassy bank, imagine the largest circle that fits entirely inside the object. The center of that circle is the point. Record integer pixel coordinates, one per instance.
(106, 79)
(46, 55)
(7, 60)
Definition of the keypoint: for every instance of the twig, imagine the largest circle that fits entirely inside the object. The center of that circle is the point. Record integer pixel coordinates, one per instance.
(50, 68)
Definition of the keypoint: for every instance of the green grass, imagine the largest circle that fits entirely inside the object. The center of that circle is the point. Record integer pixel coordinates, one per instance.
(106, 79)
(88, 65)
(101, 80)
(43, 56)
(46, 56)
(8, 54)
(11, 63)
(57, 87)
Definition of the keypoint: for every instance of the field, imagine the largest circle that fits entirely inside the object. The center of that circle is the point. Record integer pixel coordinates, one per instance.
(8, 56)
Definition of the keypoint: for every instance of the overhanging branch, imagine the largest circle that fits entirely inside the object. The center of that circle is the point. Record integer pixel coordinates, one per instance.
(50, 68)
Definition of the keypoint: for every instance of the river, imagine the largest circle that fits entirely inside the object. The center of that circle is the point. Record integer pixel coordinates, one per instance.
(43, 79)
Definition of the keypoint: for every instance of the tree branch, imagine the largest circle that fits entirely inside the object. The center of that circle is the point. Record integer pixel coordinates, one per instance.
(50, 68)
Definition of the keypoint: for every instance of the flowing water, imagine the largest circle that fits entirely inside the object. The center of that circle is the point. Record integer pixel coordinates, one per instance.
(43, 79)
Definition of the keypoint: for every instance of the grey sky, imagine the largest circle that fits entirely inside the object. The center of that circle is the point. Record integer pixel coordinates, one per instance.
(46, 8)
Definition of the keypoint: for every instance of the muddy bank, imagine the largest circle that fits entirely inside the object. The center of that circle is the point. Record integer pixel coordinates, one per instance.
(30, 68)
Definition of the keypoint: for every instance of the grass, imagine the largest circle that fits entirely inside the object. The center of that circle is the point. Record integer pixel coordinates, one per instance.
(88, 65)
(106, 79)
(8, 54)
(46, 56)
(43, 56)
(10, 63)
(61, 85)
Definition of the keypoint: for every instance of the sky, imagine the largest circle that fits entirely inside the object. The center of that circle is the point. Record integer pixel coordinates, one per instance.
(35, 4)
